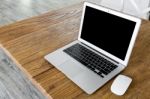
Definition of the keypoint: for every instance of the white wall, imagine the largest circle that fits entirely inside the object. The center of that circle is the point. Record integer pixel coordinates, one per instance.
(128, 7)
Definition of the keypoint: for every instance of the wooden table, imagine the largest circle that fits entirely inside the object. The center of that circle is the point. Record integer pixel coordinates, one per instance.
(30, 40)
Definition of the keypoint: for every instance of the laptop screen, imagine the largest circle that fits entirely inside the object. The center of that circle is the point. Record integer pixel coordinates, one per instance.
(108, 32)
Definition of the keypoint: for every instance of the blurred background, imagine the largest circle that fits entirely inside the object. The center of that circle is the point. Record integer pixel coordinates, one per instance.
(16, 10)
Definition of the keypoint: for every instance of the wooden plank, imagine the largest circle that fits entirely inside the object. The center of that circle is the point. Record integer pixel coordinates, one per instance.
(58, 81)
(25, 27)
(38, 42)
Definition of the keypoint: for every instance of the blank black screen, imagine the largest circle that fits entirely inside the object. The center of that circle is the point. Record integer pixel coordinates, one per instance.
(108, 32)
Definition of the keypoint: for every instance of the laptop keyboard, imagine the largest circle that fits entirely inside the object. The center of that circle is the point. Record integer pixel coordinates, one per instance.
(91, 60)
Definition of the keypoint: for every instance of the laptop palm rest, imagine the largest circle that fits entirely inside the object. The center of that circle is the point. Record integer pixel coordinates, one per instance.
(84, 78)
(71, 68)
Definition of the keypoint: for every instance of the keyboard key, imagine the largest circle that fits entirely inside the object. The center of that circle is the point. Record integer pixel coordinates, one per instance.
(104, 72)
(96, 70)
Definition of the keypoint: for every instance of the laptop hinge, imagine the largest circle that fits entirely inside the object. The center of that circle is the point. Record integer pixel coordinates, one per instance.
(101, 53)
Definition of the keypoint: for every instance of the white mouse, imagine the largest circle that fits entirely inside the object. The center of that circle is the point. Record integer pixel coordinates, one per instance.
(120, 84)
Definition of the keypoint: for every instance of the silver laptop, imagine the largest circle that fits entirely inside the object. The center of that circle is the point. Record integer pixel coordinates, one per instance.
(102, 50)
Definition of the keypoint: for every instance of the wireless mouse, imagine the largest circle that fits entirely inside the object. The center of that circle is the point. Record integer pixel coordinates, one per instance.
(120, 84)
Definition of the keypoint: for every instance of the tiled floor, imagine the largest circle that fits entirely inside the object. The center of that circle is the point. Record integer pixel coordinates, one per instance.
(15, 10)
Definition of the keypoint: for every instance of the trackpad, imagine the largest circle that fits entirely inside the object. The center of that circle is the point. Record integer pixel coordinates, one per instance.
(71, 68)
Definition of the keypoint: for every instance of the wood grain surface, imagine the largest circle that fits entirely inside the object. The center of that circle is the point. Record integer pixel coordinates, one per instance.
(30, 40)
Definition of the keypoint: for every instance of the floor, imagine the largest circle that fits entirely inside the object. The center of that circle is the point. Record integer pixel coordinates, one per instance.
(14, 84)
(16, 10)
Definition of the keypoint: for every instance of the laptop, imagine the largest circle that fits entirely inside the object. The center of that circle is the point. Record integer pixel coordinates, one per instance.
(102, 50)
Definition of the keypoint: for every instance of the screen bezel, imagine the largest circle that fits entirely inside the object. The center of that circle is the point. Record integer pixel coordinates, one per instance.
(133, 38)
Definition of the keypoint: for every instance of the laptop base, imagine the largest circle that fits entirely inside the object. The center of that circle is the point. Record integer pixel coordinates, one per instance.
(78, 73)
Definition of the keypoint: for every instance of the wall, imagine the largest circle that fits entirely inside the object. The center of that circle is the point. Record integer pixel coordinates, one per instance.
(128, 7)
